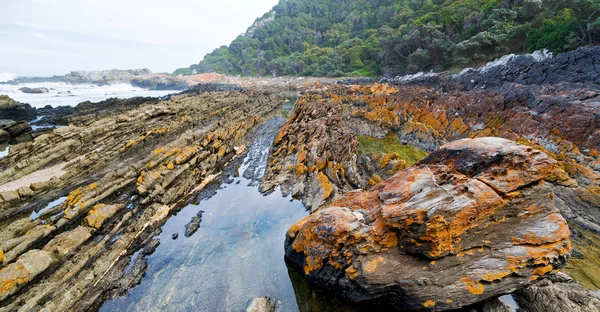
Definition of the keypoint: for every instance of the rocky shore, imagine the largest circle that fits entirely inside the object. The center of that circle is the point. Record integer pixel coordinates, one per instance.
(433, 195)
(117, 177)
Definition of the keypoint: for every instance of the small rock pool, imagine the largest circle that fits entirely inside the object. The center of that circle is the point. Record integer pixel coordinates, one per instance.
(236, 254)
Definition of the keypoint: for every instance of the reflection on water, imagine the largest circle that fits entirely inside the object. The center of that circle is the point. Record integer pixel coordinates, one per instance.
(510, 302)
(236, 255)
(59, 201)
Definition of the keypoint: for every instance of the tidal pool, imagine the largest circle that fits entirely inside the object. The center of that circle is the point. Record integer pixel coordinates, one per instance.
(237, 253)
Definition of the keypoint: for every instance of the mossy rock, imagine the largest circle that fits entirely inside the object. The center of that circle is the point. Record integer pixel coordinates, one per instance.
(388, 145)
(586, 270)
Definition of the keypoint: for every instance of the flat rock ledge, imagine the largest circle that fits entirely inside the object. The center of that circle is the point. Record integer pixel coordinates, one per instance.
(474, 220)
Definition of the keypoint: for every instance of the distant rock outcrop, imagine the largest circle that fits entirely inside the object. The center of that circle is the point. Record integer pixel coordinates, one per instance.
(160, 83)
(34, 90)
(474, 220)
(105, 76)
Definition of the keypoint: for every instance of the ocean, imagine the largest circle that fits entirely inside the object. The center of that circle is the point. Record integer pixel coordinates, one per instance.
(64, 94)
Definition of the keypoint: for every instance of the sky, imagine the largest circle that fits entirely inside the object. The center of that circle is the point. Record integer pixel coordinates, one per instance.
(55, 37)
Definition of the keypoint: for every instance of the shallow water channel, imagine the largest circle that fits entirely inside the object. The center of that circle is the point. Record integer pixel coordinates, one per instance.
(237, 253)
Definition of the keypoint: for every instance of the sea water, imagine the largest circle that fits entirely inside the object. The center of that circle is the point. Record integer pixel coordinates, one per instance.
(66, 94)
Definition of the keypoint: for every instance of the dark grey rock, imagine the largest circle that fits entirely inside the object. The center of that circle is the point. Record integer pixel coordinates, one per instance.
(34, 90)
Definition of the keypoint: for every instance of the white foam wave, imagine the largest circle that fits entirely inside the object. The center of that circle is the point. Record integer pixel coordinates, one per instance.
(65, 94)
(4, 77)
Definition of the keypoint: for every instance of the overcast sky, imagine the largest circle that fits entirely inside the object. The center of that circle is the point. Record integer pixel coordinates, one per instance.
(54, 37)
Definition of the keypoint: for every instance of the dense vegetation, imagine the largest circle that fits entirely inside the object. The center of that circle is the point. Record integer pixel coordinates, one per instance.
(374, 37)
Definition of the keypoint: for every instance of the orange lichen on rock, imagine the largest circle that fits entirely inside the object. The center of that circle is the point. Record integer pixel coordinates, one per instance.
(13, 277)
(490, 277)
(372, 265)
(474, 286)
(429, 304)
(325, 185)
(99, 214)
(541, 271)
(375, 179)
(351, 272)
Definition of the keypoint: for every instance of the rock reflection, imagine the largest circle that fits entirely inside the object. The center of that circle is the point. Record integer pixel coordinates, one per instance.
(311, 299)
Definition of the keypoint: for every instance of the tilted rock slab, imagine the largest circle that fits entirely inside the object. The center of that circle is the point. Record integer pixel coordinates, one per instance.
(474, 220)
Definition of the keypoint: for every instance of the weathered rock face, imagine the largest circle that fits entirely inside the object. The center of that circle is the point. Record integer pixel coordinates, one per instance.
(557, 293)
(562, 120)
(314, 155)
(473, 220)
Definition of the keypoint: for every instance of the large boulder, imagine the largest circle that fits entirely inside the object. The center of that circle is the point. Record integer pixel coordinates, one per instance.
(474, 220)
(13, 110)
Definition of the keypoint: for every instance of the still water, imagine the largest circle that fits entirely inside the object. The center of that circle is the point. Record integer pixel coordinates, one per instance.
(236, 255)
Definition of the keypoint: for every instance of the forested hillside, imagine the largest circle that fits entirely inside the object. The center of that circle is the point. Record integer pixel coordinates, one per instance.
(389, 37)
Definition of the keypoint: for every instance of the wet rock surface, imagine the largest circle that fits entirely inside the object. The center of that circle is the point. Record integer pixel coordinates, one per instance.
(474, 220)
(262, 304)
(160, 83)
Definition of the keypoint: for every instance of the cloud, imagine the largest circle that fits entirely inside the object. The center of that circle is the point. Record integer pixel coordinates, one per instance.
(101, 34)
